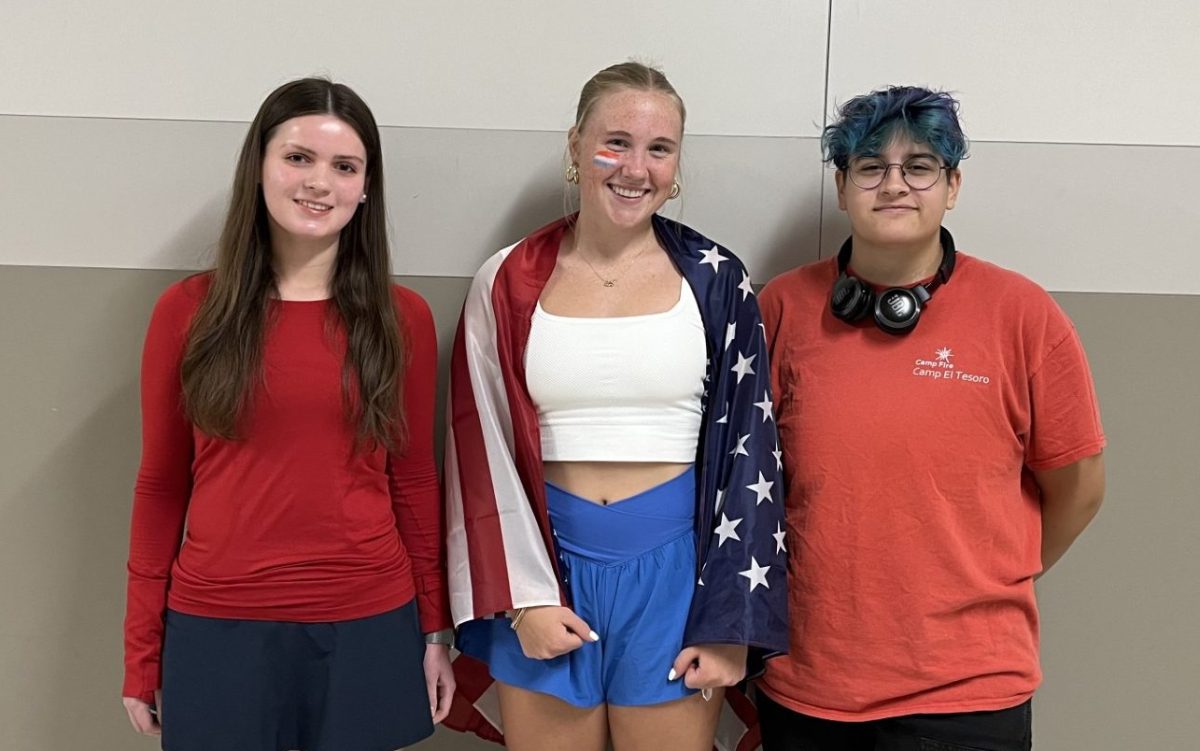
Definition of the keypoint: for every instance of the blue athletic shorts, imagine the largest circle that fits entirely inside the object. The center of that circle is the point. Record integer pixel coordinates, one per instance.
(631, 570)
(274, 686)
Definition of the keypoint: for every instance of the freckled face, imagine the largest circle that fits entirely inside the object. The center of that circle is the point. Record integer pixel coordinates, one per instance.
(643, 131)
(313, 176)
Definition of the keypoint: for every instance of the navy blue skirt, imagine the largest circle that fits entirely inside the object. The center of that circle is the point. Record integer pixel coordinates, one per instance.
(276, 686)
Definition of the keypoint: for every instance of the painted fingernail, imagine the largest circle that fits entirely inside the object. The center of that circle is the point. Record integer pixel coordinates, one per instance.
(671, 675)
(593, 636)
(706, 693)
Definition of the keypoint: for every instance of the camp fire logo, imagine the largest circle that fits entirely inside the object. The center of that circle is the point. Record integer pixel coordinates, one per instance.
(941, 368)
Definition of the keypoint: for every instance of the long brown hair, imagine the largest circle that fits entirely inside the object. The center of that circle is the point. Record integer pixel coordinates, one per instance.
(223, 360)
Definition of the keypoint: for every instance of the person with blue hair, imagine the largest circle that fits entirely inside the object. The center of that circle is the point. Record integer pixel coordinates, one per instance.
(933, 471)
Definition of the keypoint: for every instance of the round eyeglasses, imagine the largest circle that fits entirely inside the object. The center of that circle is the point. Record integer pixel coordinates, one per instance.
(918, 172)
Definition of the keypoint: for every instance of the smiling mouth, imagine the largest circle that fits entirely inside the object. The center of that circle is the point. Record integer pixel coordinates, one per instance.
(896, 208)
(628, 192)
(314, 206)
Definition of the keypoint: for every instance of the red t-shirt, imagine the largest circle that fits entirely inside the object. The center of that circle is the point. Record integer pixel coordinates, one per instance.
(914, 523)
(289, 522)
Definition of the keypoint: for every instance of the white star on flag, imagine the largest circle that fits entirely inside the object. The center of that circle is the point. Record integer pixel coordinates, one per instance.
(766, 405)
(724, 418)
(740, 448)
(713, 258)
(756, 574)
(762, 489)
(779, 535)
(745, 286)
(742, 368)
(778, 458)
(727, 529)
(720, 501)
(730, 331)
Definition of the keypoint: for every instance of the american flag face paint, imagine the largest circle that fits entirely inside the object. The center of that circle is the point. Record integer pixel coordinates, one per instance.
(605, 159)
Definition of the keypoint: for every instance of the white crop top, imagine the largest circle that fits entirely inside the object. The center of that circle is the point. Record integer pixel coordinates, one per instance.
(623, 389)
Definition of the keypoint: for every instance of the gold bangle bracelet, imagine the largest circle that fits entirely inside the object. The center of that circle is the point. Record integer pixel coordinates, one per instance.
(517, 617)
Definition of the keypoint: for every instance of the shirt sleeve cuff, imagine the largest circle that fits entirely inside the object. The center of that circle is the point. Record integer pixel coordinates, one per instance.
(142, 683)
(432, 603)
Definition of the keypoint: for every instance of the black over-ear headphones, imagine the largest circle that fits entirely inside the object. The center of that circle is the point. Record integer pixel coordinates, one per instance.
(896, 309)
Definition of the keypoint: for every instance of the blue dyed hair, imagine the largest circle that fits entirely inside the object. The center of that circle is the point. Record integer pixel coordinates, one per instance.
(868, 122)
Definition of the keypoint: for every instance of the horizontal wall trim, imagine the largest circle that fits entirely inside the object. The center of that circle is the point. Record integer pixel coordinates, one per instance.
(427, 283)
(689, 133)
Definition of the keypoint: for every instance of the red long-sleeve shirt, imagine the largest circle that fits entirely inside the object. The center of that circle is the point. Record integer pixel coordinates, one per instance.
(289, 522)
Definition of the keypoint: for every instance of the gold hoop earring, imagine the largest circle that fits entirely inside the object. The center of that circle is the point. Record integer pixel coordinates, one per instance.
(573, 174)
(676, 189)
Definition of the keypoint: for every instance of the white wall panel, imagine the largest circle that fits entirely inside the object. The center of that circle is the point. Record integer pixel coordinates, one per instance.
(760, 197)
(743, 68)
(448, 216)
(1030, 70)
(152, 194)
(1074, 218)
(114, 193)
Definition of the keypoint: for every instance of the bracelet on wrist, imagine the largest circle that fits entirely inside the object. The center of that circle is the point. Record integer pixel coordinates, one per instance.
(445, 636)
(516, 617)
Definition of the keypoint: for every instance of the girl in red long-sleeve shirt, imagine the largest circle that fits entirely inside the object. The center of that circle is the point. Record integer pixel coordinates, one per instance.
(286, 550)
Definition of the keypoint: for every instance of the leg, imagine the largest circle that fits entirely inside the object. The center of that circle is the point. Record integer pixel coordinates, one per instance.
(1000, 730)
(540, 722)
(785, 730)
(680, 725)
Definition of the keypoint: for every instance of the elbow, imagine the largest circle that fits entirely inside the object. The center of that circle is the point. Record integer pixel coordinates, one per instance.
(1094, 498)
(1085, 502)
(1090, 504)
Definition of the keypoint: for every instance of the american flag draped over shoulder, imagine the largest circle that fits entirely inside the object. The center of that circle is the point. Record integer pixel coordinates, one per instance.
(500, 548)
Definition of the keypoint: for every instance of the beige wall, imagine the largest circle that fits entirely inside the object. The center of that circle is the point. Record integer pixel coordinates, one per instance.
(119, 125)
(1120, 611)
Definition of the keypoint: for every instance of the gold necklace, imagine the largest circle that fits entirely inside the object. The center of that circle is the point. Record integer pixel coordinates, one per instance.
(604, 280)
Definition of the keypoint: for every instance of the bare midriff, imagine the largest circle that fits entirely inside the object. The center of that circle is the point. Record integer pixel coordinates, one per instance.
(610, 482)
